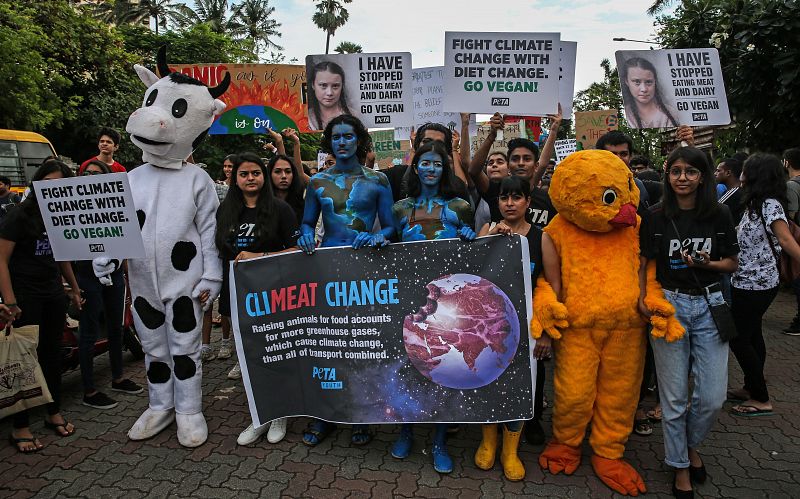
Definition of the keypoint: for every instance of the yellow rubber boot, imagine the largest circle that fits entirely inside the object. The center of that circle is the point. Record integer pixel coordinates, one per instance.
(512, 466)
(485, 455)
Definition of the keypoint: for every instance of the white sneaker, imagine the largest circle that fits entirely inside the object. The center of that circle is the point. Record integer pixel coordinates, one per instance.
(236, 372)
(250, 434)
(277, 430)
(224, 351)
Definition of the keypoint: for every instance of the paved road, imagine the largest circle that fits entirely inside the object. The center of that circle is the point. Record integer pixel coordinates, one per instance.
(746, 458)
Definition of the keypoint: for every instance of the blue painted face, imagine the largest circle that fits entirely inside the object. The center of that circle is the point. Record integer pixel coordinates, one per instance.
(429, 169)
(344, 141)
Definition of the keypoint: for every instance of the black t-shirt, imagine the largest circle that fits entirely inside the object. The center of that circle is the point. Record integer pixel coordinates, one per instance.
(541, 210)
(285, 237)
(34, 272)
(535, 250)
(658, 240)
(735, 202)
(491, 196)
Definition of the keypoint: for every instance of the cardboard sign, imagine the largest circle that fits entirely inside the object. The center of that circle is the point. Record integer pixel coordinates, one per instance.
(566, 77)
(90, 216)
(667, 88)
(591, 125)
(260, 96)
(506, 72)
(428, 86)
(512, 130)
(564, 148)
(375, 88)
(349, 336)
(532, 125)
(387, 149)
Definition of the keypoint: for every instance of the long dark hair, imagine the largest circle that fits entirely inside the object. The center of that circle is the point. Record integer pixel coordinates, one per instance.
(34, 224)
(232, 159)
(764, 178)
(446, 187)
(638, 62)
(313, 103)
(706, 193)
(362, 135)
(232, 207)
(294, 197)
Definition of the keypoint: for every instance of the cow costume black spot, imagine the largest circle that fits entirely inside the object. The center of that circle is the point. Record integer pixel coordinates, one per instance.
(176, 205)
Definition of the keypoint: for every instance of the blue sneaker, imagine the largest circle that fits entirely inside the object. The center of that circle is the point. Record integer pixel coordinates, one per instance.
(402, 446)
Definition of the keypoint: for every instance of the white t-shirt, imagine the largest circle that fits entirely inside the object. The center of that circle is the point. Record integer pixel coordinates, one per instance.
(758, 269)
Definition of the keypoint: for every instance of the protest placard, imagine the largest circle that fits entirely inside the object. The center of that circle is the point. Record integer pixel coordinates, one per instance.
(512, 130)
(90, 216)
(260, 96)
(375, 88)
(566, 77)
(432, 331)
(506, 72)
(321, 157)
(667, 88)
(387, 148)
(428, 87)
(564, 148)
(531, 125)
(591, 125)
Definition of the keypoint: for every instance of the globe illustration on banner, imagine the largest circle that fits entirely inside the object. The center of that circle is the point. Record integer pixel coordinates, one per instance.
(466, 334)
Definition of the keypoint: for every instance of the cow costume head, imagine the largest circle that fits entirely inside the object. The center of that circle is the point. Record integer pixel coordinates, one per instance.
(175, 116)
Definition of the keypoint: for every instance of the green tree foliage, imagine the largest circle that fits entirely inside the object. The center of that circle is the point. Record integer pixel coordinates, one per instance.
(217, 14)
(759, 49)
(330, 16)
(162, 12)
(255, 24)
(348, 48)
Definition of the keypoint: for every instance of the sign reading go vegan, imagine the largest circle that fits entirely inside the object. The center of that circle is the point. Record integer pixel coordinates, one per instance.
(90, 216)
(506, 72)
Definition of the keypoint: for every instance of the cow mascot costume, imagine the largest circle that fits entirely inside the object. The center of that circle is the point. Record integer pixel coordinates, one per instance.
(181, 273)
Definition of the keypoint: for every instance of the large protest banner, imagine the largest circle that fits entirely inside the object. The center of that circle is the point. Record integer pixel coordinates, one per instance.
(591, 125)
(90, 216)
(387, 148)
(428, 87)
(667, 88)
(566, 77)
(260, 96)
(412, 332)
(375, 88)
(506, 72)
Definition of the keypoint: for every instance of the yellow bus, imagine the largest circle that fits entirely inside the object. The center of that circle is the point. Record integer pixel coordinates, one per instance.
(21, 153)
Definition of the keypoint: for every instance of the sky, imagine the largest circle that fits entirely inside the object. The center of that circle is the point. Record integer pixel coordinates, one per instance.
(418, 26)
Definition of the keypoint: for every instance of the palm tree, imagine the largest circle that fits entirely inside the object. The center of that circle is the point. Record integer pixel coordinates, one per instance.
(215, 13)
(137, 12)
(348, 48)
(330, 16)
(253, 22)
(658, 6)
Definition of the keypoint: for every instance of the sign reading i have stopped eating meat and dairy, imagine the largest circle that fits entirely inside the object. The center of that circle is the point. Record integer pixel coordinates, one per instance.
(412, 332)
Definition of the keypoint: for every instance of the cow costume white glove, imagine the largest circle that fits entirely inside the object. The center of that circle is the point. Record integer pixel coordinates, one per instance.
(103, 267)
(213, 288)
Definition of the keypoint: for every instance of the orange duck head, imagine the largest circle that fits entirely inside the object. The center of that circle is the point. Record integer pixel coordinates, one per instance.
(595, 190)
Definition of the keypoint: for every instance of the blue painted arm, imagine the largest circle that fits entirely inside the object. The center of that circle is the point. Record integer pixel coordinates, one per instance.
(307, 240)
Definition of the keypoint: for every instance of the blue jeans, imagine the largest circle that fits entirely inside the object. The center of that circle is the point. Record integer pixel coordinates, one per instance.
(108, 301)
(702, 353)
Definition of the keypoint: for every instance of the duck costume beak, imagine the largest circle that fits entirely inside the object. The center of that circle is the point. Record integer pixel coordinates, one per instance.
(626, 217)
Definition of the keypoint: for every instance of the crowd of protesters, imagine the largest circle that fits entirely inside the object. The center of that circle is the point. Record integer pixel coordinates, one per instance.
(739, 211)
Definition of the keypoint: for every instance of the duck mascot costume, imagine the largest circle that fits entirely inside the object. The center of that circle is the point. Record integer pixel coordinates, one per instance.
(181, 273)
(599, 335)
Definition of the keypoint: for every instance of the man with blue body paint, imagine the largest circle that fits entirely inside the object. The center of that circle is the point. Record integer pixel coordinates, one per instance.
(349, 197)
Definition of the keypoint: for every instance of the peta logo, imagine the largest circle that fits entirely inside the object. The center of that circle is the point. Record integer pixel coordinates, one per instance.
(500, 101)
(693, 245)
(383, 119)
(327, 377)
(97, 248)
(700, 116)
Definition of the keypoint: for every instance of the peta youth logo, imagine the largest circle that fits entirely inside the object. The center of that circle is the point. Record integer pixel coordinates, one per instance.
(691, 245)
(327, 377)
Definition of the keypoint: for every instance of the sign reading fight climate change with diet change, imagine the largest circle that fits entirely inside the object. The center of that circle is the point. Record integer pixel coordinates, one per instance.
(376, 88)
(90, 216)
(431, 331)
(502, 72)
(685, 84)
